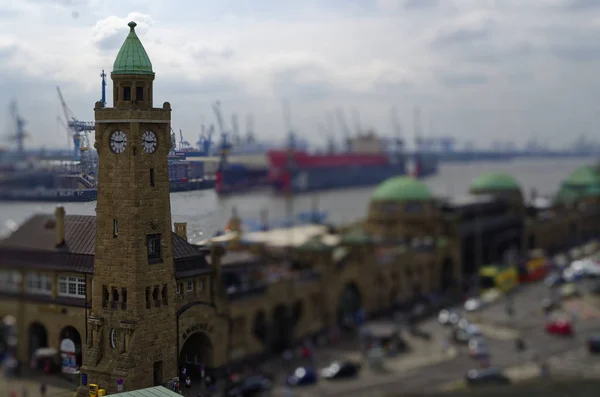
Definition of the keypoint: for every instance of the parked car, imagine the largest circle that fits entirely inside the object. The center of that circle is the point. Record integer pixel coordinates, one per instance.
(593, 344)
(478, 349)
(340, 370)
(560, 327)
(250, 386)
(486, 377)
(569, 290)
(448, 317)
(302, 376)
(554, 280)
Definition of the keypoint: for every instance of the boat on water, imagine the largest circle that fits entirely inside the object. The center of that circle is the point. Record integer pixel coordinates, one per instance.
(69, 182)
(367, 161)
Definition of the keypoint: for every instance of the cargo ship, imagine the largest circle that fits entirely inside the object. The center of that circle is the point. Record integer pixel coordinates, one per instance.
(66, 181)
(367, 161)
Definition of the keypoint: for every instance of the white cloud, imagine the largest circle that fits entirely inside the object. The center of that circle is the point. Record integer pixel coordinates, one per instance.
(482, 69)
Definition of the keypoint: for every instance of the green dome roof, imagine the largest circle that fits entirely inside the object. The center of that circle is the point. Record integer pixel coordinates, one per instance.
(583, 177)
(132, 57)
(402, 188)
(495, 181)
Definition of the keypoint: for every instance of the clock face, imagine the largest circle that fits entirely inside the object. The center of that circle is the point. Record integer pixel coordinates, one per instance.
(118, 142)
(149, 141)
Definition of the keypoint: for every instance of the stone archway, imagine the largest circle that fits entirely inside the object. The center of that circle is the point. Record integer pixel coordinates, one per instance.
(349, 303)
(197, 351)
(447, 279)
(531, 242)
(297, 312)
(71, 333)
(260, 327)
(282, 329)
(38, 337)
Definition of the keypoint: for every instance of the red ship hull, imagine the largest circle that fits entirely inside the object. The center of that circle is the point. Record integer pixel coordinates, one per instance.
(279, 159)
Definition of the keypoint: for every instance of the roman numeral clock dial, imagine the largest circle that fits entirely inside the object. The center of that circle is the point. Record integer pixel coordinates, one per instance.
(149, 141)
(118, 142)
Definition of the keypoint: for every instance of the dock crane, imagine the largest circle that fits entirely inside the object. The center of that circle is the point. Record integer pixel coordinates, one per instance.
(205, 141)
(235, 129)
(225, 146)
(397, 128)
(250, 129)
(287, 122)
(183, 144)
(17, 133)
(78, 131)
(356, 120)
(345, 130)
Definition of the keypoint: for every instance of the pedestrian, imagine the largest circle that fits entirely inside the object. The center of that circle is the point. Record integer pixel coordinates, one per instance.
(183, 372)
(188, 382)
(43, 389)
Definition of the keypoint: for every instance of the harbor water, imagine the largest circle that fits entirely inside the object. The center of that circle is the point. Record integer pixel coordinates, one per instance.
(205, 213)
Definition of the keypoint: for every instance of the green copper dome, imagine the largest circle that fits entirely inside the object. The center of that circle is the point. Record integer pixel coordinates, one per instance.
(132, 57)
(402, 188)
(496, 182)
(583, 177)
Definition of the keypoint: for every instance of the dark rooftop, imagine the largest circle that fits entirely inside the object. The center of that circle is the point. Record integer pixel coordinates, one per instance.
(34, 245)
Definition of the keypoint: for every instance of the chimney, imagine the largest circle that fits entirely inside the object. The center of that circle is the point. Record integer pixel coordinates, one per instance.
(181, 230)
(59, 214)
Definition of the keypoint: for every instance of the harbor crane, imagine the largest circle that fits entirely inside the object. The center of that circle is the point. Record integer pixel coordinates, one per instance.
(78, 131)
(183, 144)
(287, 122)
(17, 133)
(397, 128)
(205, 141)
(250, 129)
(235, 129)
(225, 146)
(345, 129)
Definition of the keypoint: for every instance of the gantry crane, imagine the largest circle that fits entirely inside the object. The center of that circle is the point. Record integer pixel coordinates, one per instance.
(17, 132)
(225, 146)
(78, 131)
(345, 129)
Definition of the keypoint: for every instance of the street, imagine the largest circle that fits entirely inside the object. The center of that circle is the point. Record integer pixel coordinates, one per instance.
(566, 356)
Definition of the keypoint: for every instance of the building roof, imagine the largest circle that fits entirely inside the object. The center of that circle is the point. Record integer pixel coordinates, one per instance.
(157, 391)
(34, 245)
(495, 181)
(585, 176)
(132, 57)
(402, 188)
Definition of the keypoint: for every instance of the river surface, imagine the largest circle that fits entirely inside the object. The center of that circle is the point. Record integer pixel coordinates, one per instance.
(205, 213)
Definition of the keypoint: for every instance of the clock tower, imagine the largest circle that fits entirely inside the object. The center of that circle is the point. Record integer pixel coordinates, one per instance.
(131, 340)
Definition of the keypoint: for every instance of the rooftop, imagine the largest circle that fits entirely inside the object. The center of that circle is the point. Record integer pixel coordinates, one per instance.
(495, 181)
(402, 188)
(132, 57)
(33, 244)
(158, 391)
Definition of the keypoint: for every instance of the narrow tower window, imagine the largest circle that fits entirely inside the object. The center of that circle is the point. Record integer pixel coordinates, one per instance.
(115, 228)
(152, 177)
(123, 298)
(164, 294)
(104, 296)
(127, 93)
(115, 298)
(139, 93)
(155, 297)
(154, 249)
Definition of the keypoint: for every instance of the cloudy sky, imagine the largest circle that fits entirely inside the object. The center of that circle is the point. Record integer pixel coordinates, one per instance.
(480, 70)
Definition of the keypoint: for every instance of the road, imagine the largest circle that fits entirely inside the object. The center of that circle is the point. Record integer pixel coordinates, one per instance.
(568, 353)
